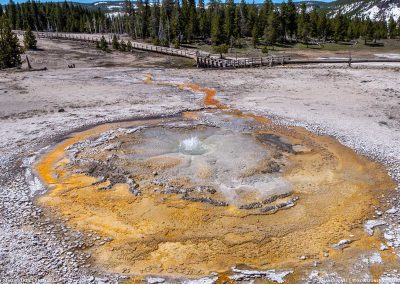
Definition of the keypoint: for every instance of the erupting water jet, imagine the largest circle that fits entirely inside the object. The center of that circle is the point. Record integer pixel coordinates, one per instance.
(192, 146)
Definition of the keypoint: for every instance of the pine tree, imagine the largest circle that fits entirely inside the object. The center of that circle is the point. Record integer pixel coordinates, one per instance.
(291, 18)
(322, 25)
(203, 21)
(368, 30)
(29, 39)
(103, 44)
(173, 22)
(129, 18)
(10, 50)
(284, 18)
(273, 29)
(254, 35)
(192, 27)
(12, 14)
(115, 42)
(392, 28)
(398, 27)
(237, 24)
(156, 19)
(304, 26)
(129, 46)
(122, 45)
(216, 29)
(229, 26)
(162, 35)
(252, 18)
(243, 18)
(340, 27)
(314, 17)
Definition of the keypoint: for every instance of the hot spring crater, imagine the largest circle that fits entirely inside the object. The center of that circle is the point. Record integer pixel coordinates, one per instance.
(205, 191)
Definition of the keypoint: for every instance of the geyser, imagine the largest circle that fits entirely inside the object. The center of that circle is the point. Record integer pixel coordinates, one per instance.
(188, 196)
(192, 146)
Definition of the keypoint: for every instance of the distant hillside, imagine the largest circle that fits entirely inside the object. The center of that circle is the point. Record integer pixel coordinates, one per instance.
(374, 9)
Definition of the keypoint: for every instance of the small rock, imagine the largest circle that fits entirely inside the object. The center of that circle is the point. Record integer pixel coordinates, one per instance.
(370, 225)
(341, 244)
(392, 210)
(155, 280)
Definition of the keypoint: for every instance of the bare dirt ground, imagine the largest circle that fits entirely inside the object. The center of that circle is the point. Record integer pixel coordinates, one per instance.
(61, 53)
(360, 107)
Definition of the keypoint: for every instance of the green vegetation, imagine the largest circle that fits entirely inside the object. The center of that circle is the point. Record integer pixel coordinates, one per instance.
(175, 22)
(180, 22)
(129, 46)
(29, 39)
(115, 43)
(122, 45)
(10, 50)
(228, 23)
(221, 49)
(61, 17)
(102, 44)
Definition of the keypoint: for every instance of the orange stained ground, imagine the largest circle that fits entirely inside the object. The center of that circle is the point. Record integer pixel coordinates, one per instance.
(337, 190)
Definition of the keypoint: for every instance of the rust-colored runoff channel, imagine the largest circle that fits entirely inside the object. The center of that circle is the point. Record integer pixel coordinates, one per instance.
(172, 236)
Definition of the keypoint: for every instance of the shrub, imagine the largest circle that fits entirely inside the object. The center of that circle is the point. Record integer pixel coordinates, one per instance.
(103, 44)
(156, 41)
(129, 46)
(115, 42)
(10, 50)
(30, 41)
(177, 44)
(223, 48)
(122, 45)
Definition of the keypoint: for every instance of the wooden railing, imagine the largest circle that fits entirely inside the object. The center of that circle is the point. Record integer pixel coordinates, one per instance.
(211, 62)
(135, 45)
(205, 60)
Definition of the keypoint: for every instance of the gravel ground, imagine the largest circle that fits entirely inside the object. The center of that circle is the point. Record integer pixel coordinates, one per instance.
(360, 107)
(37, 109)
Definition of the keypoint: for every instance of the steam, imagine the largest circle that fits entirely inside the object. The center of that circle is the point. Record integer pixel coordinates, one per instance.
(192, 146)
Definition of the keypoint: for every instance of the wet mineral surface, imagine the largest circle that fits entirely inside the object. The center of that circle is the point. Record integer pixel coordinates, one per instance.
(213, 191)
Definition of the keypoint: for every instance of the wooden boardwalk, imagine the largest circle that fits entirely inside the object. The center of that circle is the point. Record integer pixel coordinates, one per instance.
(205, 60)
(210, 62)
(135, 45)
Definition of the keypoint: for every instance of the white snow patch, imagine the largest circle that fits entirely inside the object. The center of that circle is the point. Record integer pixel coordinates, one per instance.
(115, 14)
(112, 7)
